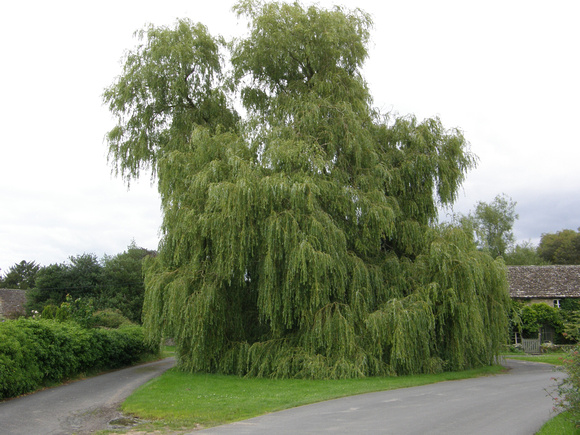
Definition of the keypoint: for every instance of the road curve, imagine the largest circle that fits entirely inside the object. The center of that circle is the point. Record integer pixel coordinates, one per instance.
(513, 403)
(79, 407)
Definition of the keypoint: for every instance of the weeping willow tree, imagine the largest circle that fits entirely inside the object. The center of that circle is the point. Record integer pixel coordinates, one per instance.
(300, 239)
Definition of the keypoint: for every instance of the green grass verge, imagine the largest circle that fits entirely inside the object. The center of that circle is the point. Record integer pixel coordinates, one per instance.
(562, 424)
(549, 358)
(178, 400)
(167, 351)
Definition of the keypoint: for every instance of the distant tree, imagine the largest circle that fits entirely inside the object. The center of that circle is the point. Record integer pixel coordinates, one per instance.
(524, 254)
(111, 283)
(82, 277)
(51, 287)
(85, 275)
(492, 224)
(20, 276)
(562, 247)
(123, 286)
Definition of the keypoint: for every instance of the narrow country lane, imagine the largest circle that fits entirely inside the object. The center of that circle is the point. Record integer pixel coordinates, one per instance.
(513, 403)
(509, 404)
(79, 407)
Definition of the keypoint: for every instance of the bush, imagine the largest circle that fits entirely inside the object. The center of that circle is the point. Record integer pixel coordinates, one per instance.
(514, 348)
(34, 353)
(110, 318)
(568, 398)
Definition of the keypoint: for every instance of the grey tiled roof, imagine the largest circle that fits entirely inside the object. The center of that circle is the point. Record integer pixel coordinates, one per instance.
(544, 281)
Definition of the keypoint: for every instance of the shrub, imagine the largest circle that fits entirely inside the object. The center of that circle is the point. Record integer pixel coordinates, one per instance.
(109, 318)
(514, 348)
(19, 371)
(34, 353)
(549, 347)
(49, 311)
(568, 398)
(79, 310)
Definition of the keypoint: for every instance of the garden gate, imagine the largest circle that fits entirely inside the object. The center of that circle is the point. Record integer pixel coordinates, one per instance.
(531, 345)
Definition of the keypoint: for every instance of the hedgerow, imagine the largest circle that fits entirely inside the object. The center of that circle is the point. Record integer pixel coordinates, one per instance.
(35, 353)
(567, 395)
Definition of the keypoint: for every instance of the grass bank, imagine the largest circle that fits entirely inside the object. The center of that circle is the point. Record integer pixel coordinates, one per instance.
(182, 401)
(562, 424)
(548, 358)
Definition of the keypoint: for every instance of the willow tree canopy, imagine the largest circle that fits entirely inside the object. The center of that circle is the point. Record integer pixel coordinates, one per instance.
(300, 239)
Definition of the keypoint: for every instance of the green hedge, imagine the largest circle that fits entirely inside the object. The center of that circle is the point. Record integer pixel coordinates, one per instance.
(34, 353)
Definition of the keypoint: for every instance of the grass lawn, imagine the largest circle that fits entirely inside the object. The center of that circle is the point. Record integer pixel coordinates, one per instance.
(562, 424)
(182, 401)
(549, 358)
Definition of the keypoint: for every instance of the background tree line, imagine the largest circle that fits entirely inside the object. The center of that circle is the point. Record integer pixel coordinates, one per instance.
(491, 227)
(113, 282)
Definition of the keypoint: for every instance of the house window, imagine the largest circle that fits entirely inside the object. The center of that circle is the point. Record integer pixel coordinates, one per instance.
(556, 303)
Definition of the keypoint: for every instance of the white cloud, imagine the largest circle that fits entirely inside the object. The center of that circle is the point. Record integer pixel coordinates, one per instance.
(506, 73)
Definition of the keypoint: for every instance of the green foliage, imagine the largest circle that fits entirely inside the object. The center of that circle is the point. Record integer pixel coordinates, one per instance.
(49, 312)
(570, 304)
(571, 330)
(547, 357)
(525, 254)
(83, 313)
(568, 392)
(528, 319)
(20, 276)
(34, 353)
(492, 225)
(529, 316)
(77, 310)
(560, 248)
(300, 241)
(123, 285)
(561, 424)
(109, 318)
(113, 282)
(80, 277)
(514, 317)
(167, 87)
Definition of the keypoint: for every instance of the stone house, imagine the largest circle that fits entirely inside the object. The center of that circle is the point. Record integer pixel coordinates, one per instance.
(547, 284)
(544, 284)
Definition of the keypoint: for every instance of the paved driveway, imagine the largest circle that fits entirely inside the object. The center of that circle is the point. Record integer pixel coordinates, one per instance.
(79, 407)
(512, 403)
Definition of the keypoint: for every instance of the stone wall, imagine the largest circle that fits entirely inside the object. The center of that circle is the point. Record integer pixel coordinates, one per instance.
(12, 303)
(530, 301)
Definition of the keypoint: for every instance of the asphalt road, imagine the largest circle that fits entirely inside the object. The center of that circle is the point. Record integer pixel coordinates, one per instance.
(79, 407)
(507, 404)
(512, 403)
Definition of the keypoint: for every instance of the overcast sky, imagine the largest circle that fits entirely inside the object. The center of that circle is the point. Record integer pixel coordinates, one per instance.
(506, 72)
